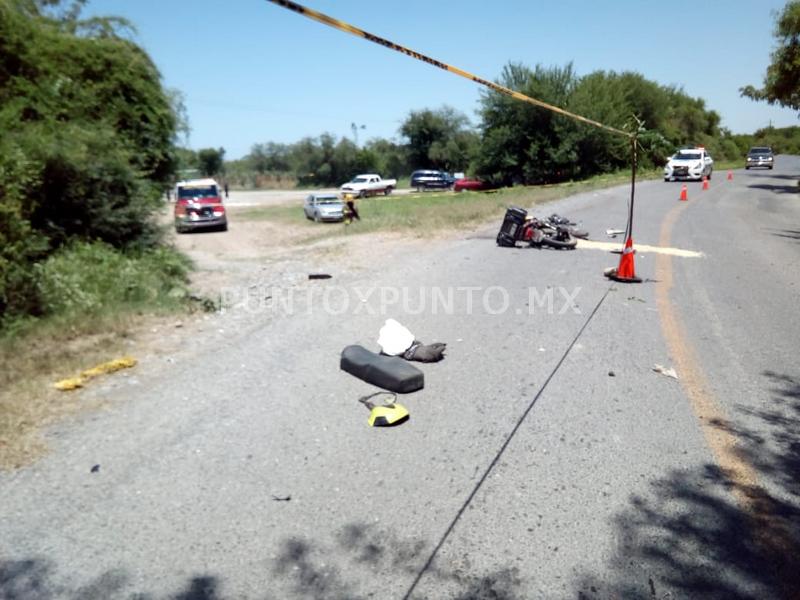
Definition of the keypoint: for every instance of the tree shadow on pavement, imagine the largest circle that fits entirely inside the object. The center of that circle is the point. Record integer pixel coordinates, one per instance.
(312, 569)
(778, 189)
(690, 538)
(318, 569)
(771, 175)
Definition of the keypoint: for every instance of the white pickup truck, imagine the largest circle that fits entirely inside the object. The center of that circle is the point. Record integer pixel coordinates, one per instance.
(368, 185)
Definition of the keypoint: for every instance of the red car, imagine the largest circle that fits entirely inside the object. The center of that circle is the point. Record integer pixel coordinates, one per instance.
(470, 184)
(198, 205)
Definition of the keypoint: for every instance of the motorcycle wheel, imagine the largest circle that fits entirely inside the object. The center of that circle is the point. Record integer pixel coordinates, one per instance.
(567, 244)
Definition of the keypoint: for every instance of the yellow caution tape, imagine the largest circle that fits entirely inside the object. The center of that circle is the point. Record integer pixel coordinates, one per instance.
(346, 27)
(74, 383)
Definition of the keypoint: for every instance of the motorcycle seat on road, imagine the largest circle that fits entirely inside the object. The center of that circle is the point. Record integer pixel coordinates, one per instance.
(388, 372)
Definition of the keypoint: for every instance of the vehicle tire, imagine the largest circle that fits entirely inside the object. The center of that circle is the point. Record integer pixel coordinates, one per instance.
(362, 194)
(709, 174)
(666, 179)
(420, 189)
(747, 168)
(770, 168)
(223, 227)
(568, 244)
(316, 218)
(387, 191)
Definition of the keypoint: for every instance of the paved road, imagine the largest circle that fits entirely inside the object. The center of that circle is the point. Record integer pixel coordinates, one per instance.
(527, 470)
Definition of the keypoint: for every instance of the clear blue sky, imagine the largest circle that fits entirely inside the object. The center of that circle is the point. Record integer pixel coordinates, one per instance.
(253, 72)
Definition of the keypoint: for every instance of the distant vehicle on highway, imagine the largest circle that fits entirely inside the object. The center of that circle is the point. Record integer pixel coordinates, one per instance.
(323, 207)
(368, 184)
(689, 163)
(427, 179)
(470, 184)
(198, 205)
(760, 156)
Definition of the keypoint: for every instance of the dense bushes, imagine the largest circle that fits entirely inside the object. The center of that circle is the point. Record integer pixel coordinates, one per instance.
(784, 140)
(114, 280)
(87, 144)
(522, 143)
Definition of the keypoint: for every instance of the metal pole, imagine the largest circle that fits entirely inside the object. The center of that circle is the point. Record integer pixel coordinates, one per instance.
(629, 228)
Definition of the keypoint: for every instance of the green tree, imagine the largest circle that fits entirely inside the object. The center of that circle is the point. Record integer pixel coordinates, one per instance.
(522, 143)
(440, 139)
(211, 161)
(782, 80)
(88, 139)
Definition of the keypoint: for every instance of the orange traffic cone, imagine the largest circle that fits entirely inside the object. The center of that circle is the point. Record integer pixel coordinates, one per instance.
(730, 175)
(684, 193)
(625, 272)
(705, 182)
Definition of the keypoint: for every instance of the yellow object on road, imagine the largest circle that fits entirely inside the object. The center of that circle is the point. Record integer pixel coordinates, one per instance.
(74, 383)
(385, 415)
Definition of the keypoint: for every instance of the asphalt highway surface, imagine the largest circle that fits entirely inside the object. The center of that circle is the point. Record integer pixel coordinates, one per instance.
(545, 457)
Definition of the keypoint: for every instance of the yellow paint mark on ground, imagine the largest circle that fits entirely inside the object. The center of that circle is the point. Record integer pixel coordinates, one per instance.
(662, 249)
(766, 528)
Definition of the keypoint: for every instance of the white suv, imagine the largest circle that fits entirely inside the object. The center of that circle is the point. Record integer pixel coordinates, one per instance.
(689, 163)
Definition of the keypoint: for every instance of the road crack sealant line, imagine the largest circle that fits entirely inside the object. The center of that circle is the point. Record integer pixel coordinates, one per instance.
(503, 448)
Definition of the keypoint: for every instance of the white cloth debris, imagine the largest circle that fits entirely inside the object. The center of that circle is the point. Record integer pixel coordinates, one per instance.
(394, 339)
(665, 371)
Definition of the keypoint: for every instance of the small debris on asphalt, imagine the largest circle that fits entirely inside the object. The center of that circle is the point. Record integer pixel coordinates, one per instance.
(95, 469)
(668, 372)
(635, 298)
(319, 276)
(612, 374)
(281, 498)
(612, 233)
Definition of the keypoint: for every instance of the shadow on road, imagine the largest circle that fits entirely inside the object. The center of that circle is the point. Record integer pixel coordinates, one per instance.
(311, 569)
(792, 234)
(769, 173)
(691, 539)
(778, 189)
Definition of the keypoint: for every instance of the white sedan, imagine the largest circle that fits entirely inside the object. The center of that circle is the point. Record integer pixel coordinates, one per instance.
(694, 163)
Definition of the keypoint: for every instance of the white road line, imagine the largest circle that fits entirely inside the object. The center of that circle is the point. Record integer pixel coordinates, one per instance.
(608, 246)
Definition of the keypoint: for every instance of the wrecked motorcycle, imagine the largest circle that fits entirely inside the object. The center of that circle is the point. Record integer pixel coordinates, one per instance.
(519, 227)
(556, 219)
(542, 233)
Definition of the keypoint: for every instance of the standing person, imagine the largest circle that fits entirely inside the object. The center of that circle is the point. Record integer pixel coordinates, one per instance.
(225, 186)
(351, 204)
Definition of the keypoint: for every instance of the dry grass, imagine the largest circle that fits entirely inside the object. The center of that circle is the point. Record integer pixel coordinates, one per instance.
(33, 361)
